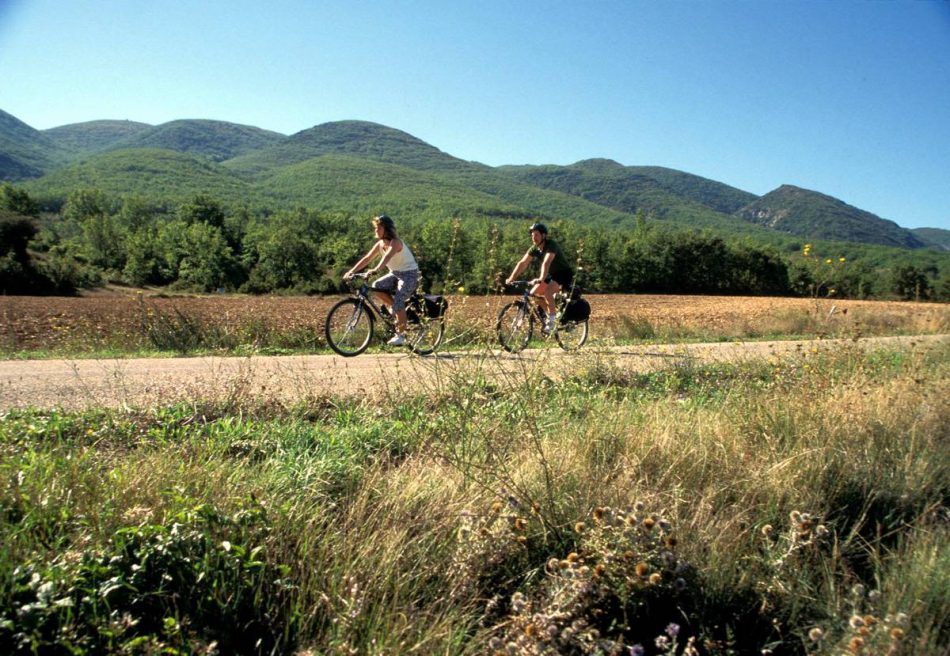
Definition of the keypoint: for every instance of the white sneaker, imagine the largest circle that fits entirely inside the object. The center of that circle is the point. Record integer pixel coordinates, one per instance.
(397, 340)
(550, 324)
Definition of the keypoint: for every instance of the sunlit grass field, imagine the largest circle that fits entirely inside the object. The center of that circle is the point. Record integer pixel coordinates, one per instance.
(784, 506)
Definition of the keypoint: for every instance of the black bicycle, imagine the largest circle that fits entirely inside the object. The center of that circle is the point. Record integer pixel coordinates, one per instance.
(515, 324)
(351, 322)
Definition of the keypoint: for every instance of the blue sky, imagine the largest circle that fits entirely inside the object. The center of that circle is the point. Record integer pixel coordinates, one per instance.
(848, 98)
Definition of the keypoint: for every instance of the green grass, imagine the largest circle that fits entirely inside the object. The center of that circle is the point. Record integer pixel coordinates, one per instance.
(745, 503)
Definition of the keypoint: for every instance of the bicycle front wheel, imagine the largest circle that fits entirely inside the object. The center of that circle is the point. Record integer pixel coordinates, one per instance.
(572, 335)
(514, 326)
(349, 327)
(426, 336)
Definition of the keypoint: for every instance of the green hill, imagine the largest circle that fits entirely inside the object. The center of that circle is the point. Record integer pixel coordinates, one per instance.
(93, 136)
(813, 215)
(217, 140)
(934, 237)
(659, 193)
(25, 152)
(362, 139)
(340, 182)
(161, 175)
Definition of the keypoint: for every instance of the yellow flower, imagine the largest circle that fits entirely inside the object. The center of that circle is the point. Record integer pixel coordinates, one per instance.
(841, 259)
(461, 290)
(828, 261)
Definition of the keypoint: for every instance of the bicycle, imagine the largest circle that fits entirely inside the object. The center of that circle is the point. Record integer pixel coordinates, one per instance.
(351, 322)
(515, 323)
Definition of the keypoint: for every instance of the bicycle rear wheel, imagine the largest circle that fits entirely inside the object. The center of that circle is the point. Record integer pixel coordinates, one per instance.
(425, 336)
(349, 327)
(514, 327)
(572, 335)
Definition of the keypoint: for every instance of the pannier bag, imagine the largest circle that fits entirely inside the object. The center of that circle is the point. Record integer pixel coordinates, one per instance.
(435, 305)
(576, 310)
(425, 305)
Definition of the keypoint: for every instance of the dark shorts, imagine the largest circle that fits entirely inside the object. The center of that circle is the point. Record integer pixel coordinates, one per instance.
(563, 278)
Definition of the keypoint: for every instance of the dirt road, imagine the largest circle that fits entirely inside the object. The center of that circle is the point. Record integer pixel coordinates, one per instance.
(136, 383)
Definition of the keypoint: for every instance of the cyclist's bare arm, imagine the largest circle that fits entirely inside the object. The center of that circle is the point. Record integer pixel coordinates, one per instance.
(366, 259)
(522, 264)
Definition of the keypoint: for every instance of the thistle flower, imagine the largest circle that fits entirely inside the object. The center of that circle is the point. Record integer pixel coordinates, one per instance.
(897, 633)
(816, 634)
(641, 569)
(579, 527)
(672, 629)
(636, 650)
(856, 622)
(656, 578)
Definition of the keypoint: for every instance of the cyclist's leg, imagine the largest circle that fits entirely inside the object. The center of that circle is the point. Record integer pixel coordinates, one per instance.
(384, 287)
(408, 280)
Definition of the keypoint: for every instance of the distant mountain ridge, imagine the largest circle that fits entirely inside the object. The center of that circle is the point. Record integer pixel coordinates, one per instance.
(814, 215)
(348, 164)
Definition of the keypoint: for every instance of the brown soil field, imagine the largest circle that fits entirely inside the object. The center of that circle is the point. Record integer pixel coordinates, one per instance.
(116, 319)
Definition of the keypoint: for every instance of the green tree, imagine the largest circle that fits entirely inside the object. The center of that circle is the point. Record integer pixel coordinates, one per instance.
(910, 283)
(18, 201)
(207, 262)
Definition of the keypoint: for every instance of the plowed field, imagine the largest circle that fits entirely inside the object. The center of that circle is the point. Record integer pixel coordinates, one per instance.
(119, 320)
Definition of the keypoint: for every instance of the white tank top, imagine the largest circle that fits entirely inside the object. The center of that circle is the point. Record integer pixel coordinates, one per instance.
(403, 260)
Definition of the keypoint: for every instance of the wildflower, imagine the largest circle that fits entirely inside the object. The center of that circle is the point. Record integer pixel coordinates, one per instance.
(517, 602)
(902, 620)
(553, 564)
(767, 530)
(656, 578)
(816, 634)
(856, 644)
(573, 557)
(874, 596)
(856, 622)
(531, 630)
(599, 570)
(495, 643)
(897, 633)
(679, 584)
(858, 590)
(520, 524)
(870, 620)
(672, 629)
(496, 507)
(648, 523)
(662, 642)
(461, 290)
(641, 569)
(639, 506)
(636, 650)
(828, 261)
(579, 527)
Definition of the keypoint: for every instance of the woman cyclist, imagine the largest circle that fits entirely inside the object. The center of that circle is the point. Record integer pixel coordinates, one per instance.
(397, 286)
(555, 272)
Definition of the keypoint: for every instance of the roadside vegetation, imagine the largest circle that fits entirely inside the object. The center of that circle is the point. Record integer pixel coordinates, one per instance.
(785, 505)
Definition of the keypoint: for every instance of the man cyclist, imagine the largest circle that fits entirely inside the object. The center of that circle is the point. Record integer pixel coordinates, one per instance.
(555, 272)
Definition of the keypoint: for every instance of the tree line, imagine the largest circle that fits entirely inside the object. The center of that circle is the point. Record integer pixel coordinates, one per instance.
(204, 246)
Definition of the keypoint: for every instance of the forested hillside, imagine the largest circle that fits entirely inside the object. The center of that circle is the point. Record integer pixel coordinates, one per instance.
(206, 205)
